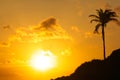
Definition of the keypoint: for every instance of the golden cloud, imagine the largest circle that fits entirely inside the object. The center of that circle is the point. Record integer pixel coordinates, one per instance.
(88, 35)
(67, 52)
(48, 29)
(75, 28)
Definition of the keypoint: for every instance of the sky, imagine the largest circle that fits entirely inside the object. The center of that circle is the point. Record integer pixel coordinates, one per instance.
(60, 26)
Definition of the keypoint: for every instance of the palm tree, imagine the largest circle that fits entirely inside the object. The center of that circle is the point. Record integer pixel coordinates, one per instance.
(102, 18)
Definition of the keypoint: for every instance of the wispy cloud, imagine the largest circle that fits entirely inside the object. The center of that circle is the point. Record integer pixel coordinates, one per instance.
(67, 52)
(75, 28)
(88, 35)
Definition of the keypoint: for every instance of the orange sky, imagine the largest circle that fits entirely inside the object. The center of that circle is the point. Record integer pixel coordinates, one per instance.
(60, 26)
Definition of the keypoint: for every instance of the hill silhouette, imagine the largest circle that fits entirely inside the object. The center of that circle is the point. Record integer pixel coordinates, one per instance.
(108, 69)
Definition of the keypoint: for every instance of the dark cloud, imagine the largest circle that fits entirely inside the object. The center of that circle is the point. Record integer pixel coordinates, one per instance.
(47, 24)
(4, 44)
(6, 27)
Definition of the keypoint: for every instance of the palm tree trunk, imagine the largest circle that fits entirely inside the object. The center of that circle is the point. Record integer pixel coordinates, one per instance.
(103, 38)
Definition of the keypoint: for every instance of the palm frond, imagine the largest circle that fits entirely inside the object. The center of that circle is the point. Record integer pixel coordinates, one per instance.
(99, 10)
(94, 16)
(113, 19)
(107, 11)
(112, 14)
(103, 17)
(94, 20)
(100, 13)
(96, 28)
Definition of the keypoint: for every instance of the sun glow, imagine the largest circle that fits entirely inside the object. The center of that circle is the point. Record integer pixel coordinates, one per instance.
(42, 60)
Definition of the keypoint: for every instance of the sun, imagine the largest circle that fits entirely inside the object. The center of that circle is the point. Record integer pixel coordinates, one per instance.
(42, 60)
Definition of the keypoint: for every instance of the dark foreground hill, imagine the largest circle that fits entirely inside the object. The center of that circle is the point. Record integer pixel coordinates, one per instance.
(108, 69)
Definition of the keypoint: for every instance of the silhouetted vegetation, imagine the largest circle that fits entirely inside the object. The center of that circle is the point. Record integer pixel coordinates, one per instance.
(108, 69)
(102, 18)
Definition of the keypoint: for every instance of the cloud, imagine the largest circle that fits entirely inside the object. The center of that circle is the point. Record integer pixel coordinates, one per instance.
(47, 24)
(74, 28)
(6, 27)
(48, 29)
(4, 44)
(67, 52)
(88, 35)
(91, 35)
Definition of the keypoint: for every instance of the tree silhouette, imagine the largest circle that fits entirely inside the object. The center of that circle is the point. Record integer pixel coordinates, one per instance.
(102, 18)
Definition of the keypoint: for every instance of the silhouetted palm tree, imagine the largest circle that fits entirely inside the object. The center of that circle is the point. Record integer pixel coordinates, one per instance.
(102, 18)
